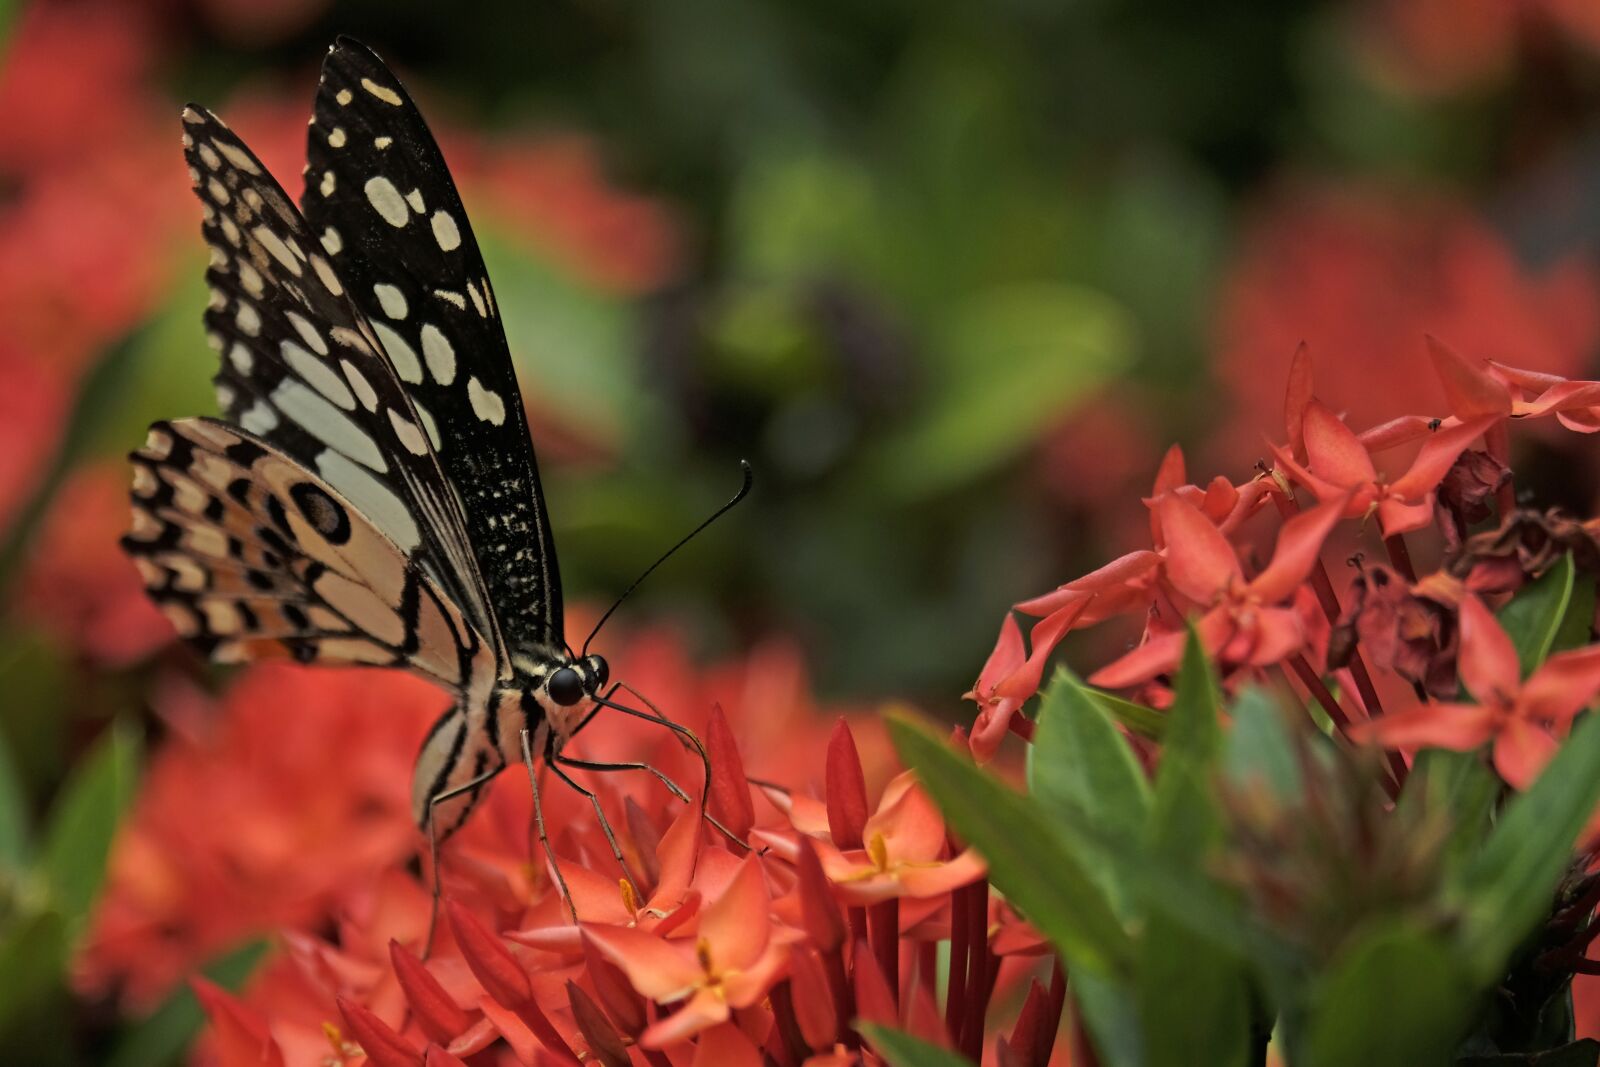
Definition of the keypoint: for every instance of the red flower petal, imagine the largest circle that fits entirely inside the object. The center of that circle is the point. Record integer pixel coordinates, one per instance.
(1296, 395)
(846, 788)
(1299, 544)
(1455, 726)
(662, 971)
(605, 1044)
(701, 1012)
(1564, 685)
(725, 1046)
(441, 1057)
(491, 963)
(1201, 564)
(438, 1015)
(1521, 752)
(730, 789)
(813, 1000)
(1469, 388)
(819, 911)
(1156, 656)
(241, 1036)
(1334, 451)
(1488, 662)
(736, 926)
(1007, 656)
(383, 1047)
(1433, 460)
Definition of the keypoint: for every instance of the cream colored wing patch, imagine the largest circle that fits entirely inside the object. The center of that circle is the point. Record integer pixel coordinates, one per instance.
(252, 556)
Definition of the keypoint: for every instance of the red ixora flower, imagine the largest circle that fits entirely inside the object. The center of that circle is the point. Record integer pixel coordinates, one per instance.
(1521, 718)
(1340, 468)
(1242, 621)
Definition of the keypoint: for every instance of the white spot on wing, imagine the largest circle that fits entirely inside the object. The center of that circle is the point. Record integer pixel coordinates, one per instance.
(407, 433)
(331, 241)
(307, 332)
(318, 375)
(445, 231)
(260, 418)
(401, 354)
(248, 319)
(386, 201)
(330, 182)
(371, 497)
(486, 403)
(318, 417)
(414, 198)
(381, 143)
(241, 358)
(441, 357)
(358, 382)
(344, 96)
(382, 92)
(336, 137)
(452, 297)
(238, 157)
(391, 299)
(279, 249)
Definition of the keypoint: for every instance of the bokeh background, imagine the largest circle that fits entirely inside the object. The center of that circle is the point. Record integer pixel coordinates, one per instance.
(951, 276)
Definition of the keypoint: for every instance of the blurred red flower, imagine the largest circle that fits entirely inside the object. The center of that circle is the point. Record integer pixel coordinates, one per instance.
(79, 586)
(1441, 46)
(1361, 275)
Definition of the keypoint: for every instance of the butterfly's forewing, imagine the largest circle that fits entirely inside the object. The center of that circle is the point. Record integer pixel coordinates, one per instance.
(302, 370)
(378, 191)
(252, 556)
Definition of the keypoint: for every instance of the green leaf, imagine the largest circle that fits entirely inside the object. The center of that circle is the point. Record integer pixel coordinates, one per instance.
(14, 848)
(1146, 722)
(1007, 361)
(1029, 859)
(1186, 821)
(1534, 616)
(1259, 750)
(1507, 888)
(33, 960)
(1398, 997)
(1079, 762)
(1452, 786)
(1081, 769)
(1574, 631)
(903, 1050)
(84, 820)
(163, 1035)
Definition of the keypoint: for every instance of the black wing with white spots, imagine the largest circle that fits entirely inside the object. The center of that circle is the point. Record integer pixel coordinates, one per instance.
(380, 198)
(303, 370)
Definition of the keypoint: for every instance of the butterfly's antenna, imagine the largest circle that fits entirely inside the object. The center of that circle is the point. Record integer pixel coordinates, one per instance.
(744, 490)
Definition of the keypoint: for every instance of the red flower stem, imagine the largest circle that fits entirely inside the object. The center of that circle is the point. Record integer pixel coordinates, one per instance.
(1400, 556)
(794, 1043)
(843, 996)
(1497, 439)
(956, 991)
(884, 918)
(1322, 584)
(1314, 686)
(1058, 1002)
(979, 981)
(1022, 726)
(858, 924)
(928, 968)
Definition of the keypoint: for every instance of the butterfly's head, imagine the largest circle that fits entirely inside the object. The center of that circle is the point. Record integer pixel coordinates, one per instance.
(579, 679)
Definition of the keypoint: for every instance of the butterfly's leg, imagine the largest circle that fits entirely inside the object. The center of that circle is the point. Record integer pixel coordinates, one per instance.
(433, 847)
(538, 818)
(673, 787)
(605, 824)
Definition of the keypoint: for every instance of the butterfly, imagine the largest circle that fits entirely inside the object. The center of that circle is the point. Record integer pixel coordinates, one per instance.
(370, 495)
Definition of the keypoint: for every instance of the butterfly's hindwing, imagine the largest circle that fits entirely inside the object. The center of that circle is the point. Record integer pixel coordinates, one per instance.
(302, 370)
(379, 194)
(252, 556)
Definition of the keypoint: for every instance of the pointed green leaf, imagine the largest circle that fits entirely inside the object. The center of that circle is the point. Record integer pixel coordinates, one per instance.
(84, 820)
(1574, 631)
(1146, 722)
(1397, 998)
(1535, 614)
(1029, 859)
(33, 959)
(1080, 764)
(903, 1050)
(1508, 886)
(1185, 821)
(1259, 751)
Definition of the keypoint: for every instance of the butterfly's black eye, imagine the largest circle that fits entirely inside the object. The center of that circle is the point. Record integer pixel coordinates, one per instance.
(565, 687)
(599, 673)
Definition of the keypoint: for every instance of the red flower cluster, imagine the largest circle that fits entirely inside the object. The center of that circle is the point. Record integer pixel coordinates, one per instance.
(1285, 614)
(766, 942)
